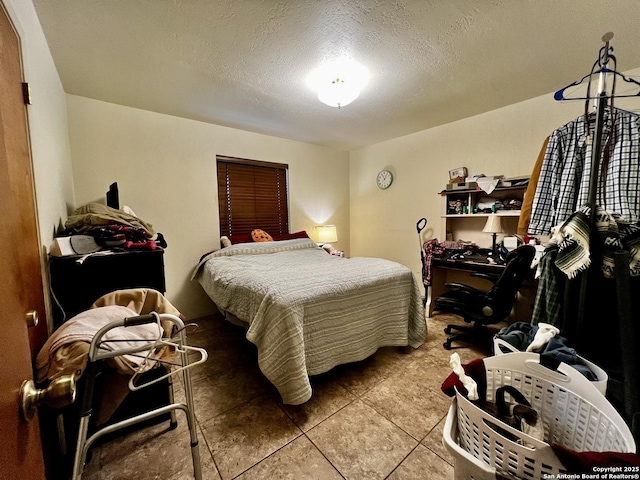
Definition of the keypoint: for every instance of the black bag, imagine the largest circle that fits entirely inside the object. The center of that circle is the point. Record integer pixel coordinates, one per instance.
(521, 416)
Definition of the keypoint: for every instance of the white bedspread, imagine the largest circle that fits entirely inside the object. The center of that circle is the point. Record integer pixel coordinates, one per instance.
(309, 311)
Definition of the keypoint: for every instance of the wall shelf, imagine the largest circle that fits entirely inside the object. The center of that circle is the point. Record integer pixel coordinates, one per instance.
(468, 226)
(506, 213)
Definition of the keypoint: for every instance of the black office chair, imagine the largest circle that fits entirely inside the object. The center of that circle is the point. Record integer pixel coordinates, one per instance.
(485, 308)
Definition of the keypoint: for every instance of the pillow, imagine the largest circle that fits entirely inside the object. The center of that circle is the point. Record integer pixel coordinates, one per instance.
(239, 239)
(225, 242)
(290, 236)
(261, 236)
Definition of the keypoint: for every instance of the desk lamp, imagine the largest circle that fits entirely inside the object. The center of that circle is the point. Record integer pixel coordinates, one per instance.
(326, 234)
(493, 226)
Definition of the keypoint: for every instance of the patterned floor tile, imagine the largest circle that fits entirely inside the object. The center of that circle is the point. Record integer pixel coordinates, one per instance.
(360, 443)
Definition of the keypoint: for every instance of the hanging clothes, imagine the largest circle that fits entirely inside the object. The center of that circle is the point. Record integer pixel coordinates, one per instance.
(598, 309)
(563, 186)
(547, 307)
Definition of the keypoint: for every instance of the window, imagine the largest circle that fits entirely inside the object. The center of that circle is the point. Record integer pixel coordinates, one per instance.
(252, 194)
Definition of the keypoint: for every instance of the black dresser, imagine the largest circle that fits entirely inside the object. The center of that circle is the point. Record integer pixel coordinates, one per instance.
(75, 284)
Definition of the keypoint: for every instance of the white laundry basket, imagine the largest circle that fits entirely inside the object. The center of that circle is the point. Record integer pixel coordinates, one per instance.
(574, 413)
(466, 466)
(501, 347)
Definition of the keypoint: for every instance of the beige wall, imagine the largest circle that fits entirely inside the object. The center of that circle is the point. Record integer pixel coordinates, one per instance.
(165, 167)
(166, 172)
(501, 142)
(47, 117)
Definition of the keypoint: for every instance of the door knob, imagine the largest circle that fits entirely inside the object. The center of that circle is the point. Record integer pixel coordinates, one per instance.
(32, 318)
(59, 393)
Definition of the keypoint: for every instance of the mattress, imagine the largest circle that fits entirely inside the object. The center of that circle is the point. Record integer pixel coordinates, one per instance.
(308, 311)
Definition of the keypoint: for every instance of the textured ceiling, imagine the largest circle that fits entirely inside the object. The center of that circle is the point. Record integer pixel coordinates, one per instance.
(244, 63)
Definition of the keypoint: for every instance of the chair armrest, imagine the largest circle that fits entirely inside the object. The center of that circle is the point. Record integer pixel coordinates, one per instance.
(463, 287)
(492, 277)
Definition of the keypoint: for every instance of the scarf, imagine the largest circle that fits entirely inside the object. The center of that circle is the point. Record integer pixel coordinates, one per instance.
(572, 238)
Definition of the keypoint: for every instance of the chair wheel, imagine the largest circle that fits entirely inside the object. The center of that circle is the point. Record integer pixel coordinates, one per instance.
(447, 330)
(447, 345)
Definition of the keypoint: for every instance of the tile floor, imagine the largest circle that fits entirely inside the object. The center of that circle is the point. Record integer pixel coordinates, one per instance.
(381, 418)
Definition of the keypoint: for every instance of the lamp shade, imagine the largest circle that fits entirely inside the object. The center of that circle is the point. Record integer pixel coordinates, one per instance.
(338, 93)
(326, 233)
(493, 225)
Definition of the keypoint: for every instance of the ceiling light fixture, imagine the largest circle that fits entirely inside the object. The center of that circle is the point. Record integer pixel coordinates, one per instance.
(338, 93)
(338, 83)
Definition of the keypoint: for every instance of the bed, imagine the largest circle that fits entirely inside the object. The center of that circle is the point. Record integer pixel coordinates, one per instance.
(308, 311)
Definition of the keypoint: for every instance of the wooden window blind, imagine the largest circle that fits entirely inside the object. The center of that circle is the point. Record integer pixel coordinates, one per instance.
(252, 194)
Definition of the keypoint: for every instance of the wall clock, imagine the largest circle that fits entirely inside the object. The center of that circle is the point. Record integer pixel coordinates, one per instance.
(384, 179)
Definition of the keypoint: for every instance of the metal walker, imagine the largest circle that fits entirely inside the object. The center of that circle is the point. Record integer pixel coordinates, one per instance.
(96, 353)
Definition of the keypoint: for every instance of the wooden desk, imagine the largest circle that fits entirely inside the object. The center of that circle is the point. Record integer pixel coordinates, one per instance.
(457, 271)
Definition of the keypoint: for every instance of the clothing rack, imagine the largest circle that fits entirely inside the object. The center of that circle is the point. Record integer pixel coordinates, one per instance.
(596, 155)
(625, 392)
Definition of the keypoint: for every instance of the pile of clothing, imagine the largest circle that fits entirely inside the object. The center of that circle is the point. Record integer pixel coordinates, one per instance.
(110, 227)
(434, 249)
(545, 340)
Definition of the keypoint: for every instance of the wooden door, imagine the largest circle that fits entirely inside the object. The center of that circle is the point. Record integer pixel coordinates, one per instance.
(21, 278)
